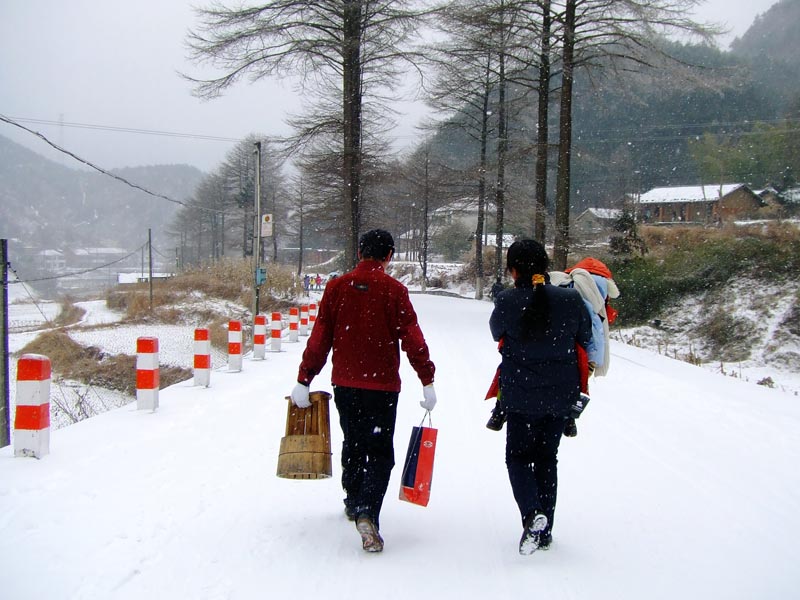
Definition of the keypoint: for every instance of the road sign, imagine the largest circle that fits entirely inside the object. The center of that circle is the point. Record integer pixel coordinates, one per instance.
(266, 225)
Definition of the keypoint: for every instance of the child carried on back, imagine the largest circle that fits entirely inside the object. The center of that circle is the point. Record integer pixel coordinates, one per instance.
(593, 280)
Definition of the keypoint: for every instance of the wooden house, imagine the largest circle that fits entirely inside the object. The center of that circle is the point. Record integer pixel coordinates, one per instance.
(700, 204)
(595, 223)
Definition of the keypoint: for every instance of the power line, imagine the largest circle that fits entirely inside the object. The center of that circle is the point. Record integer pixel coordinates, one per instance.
(104, 172)
(194, 136)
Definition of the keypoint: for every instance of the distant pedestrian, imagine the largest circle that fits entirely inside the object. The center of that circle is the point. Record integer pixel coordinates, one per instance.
(364, 316)
(497, 287)
(318, 281)
(540, 325)
(306, 282)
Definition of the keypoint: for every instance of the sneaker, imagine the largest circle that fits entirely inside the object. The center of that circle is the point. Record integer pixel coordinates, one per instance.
(349, 513)
(545, 539)
(570, 428)
(497, 419)
(371, 540)
(530, 541)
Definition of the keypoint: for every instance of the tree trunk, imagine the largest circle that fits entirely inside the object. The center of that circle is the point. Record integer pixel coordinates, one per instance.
(351, 100)
(482, 189)
(426, 197)
(540, 219)
(301, 240)
(561, 247)
(502, 146)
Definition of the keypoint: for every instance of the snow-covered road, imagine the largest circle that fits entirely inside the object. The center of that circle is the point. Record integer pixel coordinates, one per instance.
(681, 484)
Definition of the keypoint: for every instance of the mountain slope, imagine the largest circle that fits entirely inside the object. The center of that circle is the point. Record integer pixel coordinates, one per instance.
(45, 204)
(681, 483)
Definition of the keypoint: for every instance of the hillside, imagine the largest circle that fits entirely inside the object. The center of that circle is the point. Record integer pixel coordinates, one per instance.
(773, 34)
(680, 484)
(45, 204)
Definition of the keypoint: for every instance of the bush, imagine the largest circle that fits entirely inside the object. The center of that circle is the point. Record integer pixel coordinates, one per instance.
(684, 260)
(227, 279)
(728, 337)
(69, 314)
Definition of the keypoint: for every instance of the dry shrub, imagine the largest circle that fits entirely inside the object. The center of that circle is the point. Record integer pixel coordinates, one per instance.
(791, 322)
(469, 271)
(91, 366)
(134, 301)
(282, 283)
(69, 314)
(729, 337)
(218, 333)
(226, 279)
(403, 270)
(61, 349)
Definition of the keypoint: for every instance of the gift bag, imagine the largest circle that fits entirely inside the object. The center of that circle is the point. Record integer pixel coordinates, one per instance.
(415, 486)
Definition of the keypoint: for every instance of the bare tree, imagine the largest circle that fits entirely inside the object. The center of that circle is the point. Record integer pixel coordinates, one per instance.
(222, 207)
(351, 48)
(618, 34)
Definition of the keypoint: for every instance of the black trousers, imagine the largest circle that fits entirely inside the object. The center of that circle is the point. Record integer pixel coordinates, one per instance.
(367, 418)
(532, 459)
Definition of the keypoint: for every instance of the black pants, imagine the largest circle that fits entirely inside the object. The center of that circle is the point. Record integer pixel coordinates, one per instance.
(367, 418)
(532, 459)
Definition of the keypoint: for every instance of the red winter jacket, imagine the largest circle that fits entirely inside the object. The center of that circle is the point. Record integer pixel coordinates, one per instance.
(365, 315)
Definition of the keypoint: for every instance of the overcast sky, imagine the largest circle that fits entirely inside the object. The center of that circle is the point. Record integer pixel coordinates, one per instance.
(114, 63)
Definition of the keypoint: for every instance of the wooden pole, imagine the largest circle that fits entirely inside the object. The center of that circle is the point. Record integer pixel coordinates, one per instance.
(5, 405)
(150, 264)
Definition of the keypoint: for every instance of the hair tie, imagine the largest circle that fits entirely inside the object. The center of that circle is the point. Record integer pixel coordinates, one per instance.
(538, 279)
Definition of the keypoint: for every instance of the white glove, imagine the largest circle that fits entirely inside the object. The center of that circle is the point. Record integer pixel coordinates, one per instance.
(430, 397)
(300, 396)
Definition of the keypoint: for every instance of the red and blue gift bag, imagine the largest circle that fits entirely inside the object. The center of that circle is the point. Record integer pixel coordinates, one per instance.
(415, 486)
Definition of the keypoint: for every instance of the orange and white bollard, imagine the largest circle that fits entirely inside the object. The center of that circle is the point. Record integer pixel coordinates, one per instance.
(260, 337)
(275, 332)
(294, 322)
(312, 315)
(304, 319)
(202, 357)
(147, 373)
(235, 346)
(32, 419)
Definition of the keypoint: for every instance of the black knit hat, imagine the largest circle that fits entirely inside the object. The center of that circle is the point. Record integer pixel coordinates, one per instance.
(376, 244)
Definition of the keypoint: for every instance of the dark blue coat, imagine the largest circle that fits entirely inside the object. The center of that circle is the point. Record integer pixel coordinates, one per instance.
(539, 375)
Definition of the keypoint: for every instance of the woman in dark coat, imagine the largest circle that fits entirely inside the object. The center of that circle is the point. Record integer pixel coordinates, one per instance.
(540, 325)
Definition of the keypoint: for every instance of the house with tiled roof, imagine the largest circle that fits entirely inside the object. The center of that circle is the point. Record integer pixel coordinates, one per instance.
(595, 223)
(699, 204)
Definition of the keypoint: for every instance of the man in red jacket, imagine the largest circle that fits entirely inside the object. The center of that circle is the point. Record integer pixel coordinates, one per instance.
(366, 316)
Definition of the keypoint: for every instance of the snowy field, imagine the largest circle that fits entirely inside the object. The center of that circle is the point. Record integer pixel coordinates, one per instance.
(681, 484)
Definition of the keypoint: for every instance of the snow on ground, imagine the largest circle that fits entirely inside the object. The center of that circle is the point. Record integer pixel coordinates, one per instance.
(26, 310)
(175, 342)
(680, 484)
(97, 313)
(762, 309)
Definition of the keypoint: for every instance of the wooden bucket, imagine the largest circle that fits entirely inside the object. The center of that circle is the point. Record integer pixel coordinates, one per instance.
(306, 449)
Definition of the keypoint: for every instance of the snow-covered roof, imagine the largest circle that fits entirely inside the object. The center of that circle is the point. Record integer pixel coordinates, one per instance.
(792, 195)
(767, 190)
(604, 213)
(691, 193)
(93, 251)
(135, 277)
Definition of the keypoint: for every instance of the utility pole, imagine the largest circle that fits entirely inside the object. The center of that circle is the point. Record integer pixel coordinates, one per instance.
(150, 264)
(5, 390)
(257, 273)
